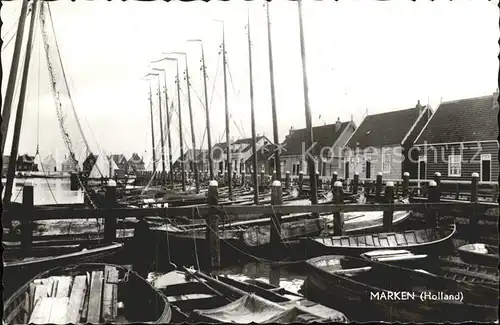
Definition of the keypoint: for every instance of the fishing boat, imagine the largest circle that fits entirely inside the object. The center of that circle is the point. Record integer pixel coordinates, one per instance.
(384, 292)
(216, 299)
(87, 293)
(432, 241)
(479, 253)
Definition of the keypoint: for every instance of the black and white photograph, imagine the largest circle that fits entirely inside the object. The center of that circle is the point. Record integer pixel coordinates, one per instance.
(286, 161)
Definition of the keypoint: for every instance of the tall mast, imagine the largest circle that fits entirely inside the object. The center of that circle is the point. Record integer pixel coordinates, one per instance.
(180, 128)
(309, 139)
(277, 154)
(228, 157)
(9, 93)
(20, 109)
(209, 137)
(161, 127)
(152, 127)
(169, 141)
(254, 145)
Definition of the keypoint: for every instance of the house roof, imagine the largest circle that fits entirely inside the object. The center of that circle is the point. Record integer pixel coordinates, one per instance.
(218, 149)
(135, 159)
(384, 129)
(265, 152)
(199, 154)
(117, 158)
(324, 135)
(471, 119)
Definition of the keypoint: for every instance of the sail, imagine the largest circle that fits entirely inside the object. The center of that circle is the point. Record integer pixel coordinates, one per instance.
(102, 168)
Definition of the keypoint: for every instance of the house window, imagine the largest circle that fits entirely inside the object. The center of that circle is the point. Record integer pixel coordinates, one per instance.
(486, 168)
(386, 162)
(422, 167)
(293, 169)
(323, 169)
(455, 165)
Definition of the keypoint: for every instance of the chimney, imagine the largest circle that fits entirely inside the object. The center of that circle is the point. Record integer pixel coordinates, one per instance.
(291, 131)
(338, 124)
(418, 109)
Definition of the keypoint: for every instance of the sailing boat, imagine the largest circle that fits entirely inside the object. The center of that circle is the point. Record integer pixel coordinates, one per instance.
(24, 259)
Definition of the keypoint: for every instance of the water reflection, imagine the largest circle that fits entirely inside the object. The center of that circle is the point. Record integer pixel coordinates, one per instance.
(47, 191)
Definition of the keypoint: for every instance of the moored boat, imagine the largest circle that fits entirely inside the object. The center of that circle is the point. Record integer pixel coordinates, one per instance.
(365, 291)
(87, 293)
(479, 253)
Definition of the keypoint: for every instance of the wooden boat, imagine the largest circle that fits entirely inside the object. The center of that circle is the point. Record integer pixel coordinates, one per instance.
(443, 267)
(479, 253)
(215, 299)
(87, 293)
(423, 240)
(384, 292)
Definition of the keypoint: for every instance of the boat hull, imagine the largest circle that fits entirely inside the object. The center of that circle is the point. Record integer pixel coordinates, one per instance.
(470, 254)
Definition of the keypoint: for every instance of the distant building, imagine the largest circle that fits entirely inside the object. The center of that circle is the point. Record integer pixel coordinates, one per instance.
(121, 163)
(461, 139)
(265, 159)
(49, 164)
(68, 165)
(97, 166)
(198, 156)
(26, 163)
(135, 164)
(328, 141)
(383, 142)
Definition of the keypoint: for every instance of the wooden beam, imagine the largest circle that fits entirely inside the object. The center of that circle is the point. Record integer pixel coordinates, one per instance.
(95, 298)
(76, 299)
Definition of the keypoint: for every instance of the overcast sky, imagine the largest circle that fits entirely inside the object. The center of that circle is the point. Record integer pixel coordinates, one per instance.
(361, 56)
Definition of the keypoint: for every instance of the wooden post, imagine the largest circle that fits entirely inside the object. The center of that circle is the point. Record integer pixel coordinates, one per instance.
(338, 217)
(110, 224)
(494, 196)
(431, 216)
(287, 179)
(234, 176)
(378, 188)
(437, 179)
(334, 179)
(318, 180)
(211, 234)
(406, 184)
(473, 198)
(355, 183)
(243, 179)
(276, 199)
(262, 176)
(26, 223)
(389, 198)
(274, 176)
(74, 186)
(301, 180)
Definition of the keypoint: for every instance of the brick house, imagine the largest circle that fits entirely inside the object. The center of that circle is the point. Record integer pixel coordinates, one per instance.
(26, 163)
(198, 156)
(328, 142)
(265, 159)
(461, 138)
(383, 142)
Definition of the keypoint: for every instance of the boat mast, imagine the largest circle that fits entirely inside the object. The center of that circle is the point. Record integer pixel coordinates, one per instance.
(152, 127)
(252, 113)
(228, 156)
(209, 137)
(161, 127)
(169, 140)
(180, 127)
(277, 154)
(9, 93)
(20, 109)
(309, 139)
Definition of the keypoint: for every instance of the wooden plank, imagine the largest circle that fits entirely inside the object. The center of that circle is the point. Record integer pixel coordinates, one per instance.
(369, 240)
(400, 239)
(55, 282)
(83, 317)
(392, 240)
(32, 288)
(16, 311)
(108, 302)
(63, 286)
(41, 313)
(76, 299)
(41, 291)
(26, 307)
(58, 311)
(95, 298)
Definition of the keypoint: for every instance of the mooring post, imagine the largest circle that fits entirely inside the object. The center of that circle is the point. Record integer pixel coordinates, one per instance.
(74, 186)
(211, 234)
(473, 217)
(274, 176)
(262, 177)
(355, 183)
(301, 180)
(243, 179)
(334, 179)
(437, 179)
(276, 199)
(389, 199)
(406, 184)
(234, 176)
(26, 220)
(338, 217)
(378, 187)
(494, 196)
(431, 215)
(319, 180)
(110, 223)
(287, 179)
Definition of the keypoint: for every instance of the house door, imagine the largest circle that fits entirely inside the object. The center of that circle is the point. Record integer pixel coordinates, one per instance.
(422, 167)
(368, 169)
(346, 170)
(486, 168)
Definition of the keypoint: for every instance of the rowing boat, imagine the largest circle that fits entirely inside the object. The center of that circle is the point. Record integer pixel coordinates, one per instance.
(479, 253)
(87, 293)
(384, 292)
(422, 240)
